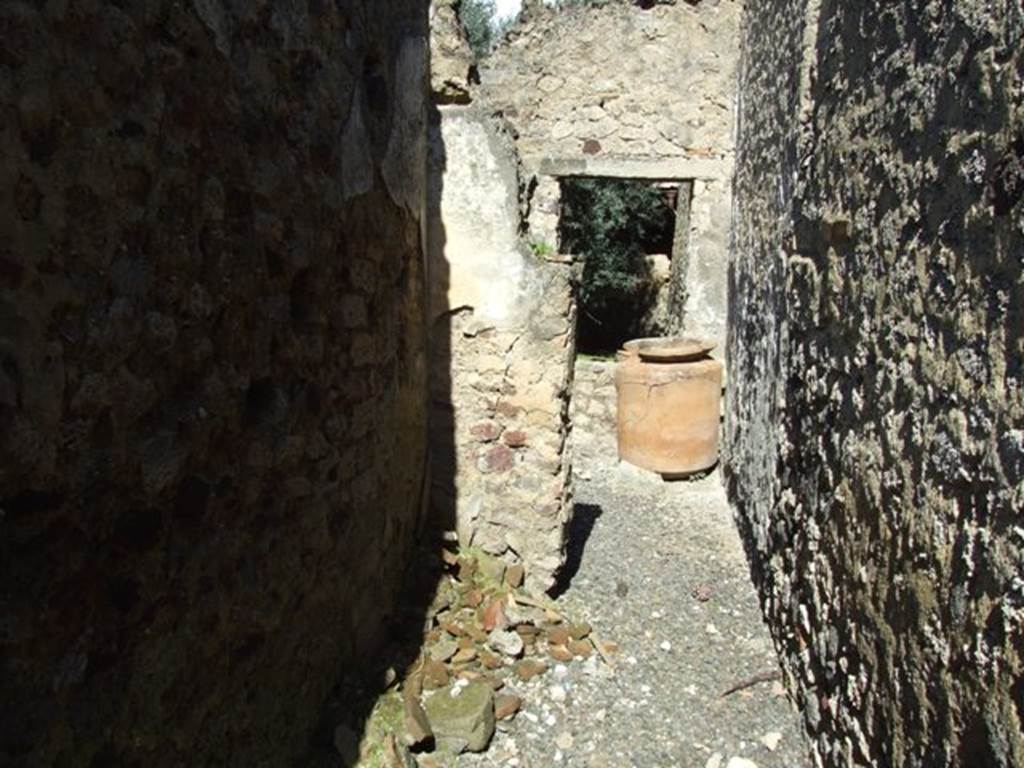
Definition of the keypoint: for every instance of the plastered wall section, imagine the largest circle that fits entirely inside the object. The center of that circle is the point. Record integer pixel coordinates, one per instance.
(617, 90)
(503, 330)
(875, 445)
(212, 335)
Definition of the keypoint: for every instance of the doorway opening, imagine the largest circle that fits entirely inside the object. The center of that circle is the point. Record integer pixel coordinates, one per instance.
(626, 233)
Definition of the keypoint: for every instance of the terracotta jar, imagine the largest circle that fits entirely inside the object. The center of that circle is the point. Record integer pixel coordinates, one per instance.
(669, 402)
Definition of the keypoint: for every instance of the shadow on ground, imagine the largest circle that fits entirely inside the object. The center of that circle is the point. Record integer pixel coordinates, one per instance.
(345, 718)
(584, 518)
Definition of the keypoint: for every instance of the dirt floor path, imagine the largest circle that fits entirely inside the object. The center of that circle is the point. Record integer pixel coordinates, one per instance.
(659, 569)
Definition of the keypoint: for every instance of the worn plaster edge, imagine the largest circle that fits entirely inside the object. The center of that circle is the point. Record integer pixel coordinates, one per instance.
(711, 169)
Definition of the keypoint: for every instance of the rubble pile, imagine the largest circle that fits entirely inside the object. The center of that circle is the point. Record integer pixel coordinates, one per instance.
(482, 634)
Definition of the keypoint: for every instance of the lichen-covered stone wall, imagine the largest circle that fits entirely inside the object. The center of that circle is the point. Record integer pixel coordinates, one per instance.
(212, 373)
(620, 90)
(875, 424)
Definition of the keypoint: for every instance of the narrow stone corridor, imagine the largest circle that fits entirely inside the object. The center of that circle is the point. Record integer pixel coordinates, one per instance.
(294, 441)
(660, 572)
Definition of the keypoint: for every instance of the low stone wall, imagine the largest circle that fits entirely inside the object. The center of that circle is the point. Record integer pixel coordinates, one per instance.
(875, 444)
(211, 365)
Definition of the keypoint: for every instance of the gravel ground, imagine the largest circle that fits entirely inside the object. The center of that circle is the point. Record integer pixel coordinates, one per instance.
(660, 570)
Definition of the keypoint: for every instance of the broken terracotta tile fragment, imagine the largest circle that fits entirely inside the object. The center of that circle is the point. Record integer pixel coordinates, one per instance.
(580, 648)
(494, 615)
(527, 669)
(558, 635)
(580, 630)
(559, 653)
(506, 706)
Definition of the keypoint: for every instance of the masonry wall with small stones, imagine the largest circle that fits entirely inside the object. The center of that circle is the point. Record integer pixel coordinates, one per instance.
(620, 90)
(875, 448)
(212, 369)
(502, 345)
(503, 330)
(593, 411)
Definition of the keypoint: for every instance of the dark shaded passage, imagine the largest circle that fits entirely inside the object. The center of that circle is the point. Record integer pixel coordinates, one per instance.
(213, 374)
(343, 723)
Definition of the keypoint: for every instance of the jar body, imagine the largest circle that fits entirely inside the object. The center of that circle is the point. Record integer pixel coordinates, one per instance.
(668, 413)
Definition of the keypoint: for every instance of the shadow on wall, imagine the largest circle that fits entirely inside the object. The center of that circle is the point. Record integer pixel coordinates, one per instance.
(442, 500)
(356, 717)
(212, 377)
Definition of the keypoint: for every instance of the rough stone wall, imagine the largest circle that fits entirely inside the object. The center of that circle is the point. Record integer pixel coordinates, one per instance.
(638, 83)
(212, 379)
(452, 63)
(622, 91)
(593, 410)
(501, 354)
(875, 442)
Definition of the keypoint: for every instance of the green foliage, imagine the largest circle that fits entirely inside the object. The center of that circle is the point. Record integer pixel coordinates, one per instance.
(476, 16)
(542, 248)
(502, 27)
(609, 222)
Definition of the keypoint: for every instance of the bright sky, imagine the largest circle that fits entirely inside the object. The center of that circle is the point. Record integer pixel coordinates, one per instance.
(506, 8)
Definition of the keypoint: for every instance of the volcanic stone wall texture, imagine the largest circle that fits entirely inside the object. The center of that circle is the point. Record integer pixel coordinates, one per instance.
(876, 413)
(212, 374)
